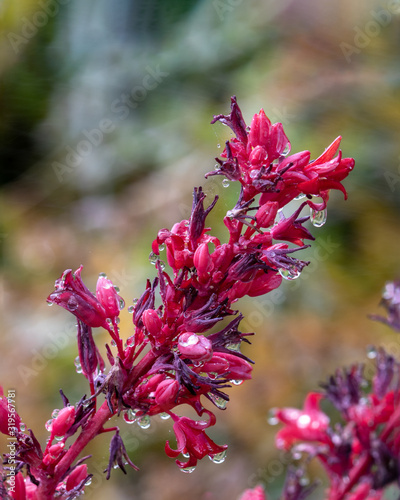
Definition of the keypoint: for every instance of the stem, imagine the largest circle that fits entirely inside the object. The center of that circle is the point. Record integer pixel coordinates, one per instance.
(94, 427)
(48, 486)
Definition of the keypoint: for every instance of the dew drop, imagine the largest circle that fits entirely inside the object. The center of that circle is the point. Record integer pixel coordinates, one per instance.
(59, 438)
(318, 217)
(236, 382)
(22, 427)
(286, 151)
(300, 196)
(218, 401)
(55, 413)
(49, 303)
(130, 416)
(88, 482)
(185, 455)
(234, 347)
(164, 416)
(161, 265)
(218, 145)
(219, 457)
(371, 352)
(78, 366)
(131, 309)
(115, 466)
(272, 418)
(161, 247)
(102, 275)
(117, 321)
(144, 422)
(254, 174)
(153, 258)
(289, 274)
(72, 304)
(48, 425)
(135, 301)
(187, 470)
(225, 183)
(113, 343)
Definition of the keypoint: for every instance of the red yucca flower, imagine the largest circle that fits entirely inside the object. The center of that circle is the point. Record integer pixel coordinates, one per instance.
(169, 358)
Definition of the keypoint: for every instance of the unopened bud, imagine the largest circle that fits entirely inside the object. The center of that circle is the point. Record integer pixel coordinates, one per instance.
(195, 347)
(63, 422)
(152, 322)
(108, 297)
(166, 392)
(76, 476)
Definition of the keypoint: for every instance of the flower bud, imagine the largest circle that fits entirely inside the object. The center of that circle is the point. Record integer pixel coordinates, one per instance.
(62, 423)
(203, 263)
(167, 392)
(53, 453)
(76, 477)
(108, 297)
(195, 347)
(259, 129)
(152, 322)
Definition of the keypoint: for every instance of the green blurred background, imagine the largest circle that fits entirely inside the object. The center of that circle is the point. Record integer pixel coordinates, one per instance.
(322, 68)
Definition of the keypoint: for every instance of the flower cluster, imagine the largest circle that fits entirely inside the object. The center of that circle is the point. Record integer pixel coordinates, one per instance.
(170, 358)
(360, 452)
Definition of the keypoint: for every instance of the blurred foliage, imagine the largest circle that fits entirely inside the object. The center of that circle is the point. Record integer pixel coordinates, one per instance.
(66, 66)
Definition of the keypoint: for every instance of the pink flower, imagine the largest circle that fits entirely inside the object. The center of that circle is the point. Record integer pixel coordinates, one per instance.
(256, 493)
(195, 347)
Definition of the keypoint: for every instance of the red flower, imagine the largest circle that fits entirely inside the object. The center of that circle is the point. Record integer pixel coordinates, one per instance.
(192, 440)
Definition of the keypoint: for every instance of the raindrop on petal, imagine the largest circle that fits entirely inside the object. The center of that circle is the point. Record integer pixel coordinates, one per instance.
(55, 413)
(318, 217)
(225, 183)
(218, 458)
(78, 366)
(165, 416)
(187, 470)
(289, 274)
(22, 427)
(153, 258)
(48, 425)
(131, 309)
(144, 422)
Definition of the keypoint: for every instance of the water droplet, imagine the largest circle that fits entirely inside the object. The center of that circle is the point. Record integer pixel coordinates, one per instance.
(22, 427)
(49, 303)
(218, 458)
(296, 455)
(144, 422)
(161, 247)
(130, 416)
(59, 438)
(78, 366)
(318, 217)
(272, 419)
(218, 401)
(300, 196)
(371, 352)
(165, 416)
(55, 413)
(88, 482)
(117, 321)
(236, 382)
(113, 343)
(153, 258)
(304, 481)
(72, 304)
(234, 347)
(225, 183)
(102, 275)
(218, 145)
(48, 425)
(109, 321)
(254, 173)
(161, 265)
(187, 470)
(115, 466)
(286, 151)
(185, 455)
(289, 274)
(131, 309)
